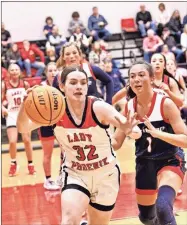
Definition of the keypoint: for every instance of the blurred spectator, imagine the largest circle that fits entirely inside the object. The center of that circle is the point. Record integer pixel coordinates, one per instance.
(166, 52)
(183, 41)
(4, 73)
(13, 56)
(151, 44)
(5, 39)
(184, 20)
(97, 55)
(51, 55)
(96, 25)
(172, 45)
(162, 19)
(171, 67)
(175, 25)
(144, 21)
(115, 74)
(55, 39)
(76, 22)
(28, 54)
(80, 38)
(48, 27)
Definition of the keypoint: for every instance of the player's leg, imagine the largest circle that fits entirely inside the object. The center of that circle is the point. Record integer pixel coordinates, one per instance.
(73, 202)
(12, 134)
(98, 217)
(26, 137)
(170, 179)
(146, 190)
(47, 146)
(102, 203)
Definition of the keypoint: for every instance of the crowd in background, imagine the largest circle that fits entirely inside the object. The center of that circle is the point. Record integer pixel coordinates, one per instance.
(166, 34)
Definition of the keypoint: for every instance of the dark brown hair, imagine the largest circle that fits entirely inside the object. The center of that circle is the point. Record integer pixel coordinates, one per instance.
(49, 18)
(75, 15)
(67, 70)
(161, 5)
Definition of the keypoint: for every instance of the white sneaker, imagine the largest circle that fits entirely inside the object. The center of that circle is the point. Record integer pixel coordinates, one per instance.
(50, 185)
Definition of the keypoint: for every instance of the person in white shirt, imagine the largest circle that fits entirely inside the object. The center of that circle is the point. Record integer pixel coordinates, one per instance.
(81, 39)
(56, 39)
(163, 18)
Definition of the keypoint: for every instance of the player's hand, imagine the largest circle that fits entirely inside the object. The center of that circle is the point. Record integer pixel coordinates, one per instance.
(150, 128)
(4, 112)
(28, 91)
(130, 122)
(164, 87)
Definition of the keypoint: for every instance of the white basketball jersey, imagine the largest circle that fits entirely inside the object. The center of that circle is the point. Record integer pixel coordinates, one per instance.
(88, 145)
(14, 95)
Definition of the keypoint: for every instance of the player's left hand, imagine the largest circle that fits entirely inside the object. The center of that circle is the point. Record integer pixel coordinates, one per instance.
(164, 87)
(151, 129)
(129, 124)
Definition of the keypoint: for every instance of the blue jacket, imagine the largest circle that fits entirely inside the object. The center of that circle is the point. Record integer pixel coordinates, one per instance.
(93, 22)
(117, 79)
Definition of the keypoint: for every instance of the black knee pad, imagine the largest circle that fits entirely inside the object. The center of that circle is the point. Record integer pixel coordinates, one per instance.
(147, 214)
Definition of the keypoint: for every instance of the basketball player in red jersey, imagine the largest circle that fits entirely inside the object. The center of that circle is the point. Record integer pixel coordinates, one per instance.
(14, 90)
(160, 165)
(46, 135)
(91, 175)
(163, 82)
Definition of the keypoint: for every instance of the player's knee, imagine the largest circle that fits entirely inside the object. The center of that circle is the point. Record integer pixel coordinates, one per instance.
(26, 140)
(147, 214)
(12, 143)
(145, 220)
(69, 217)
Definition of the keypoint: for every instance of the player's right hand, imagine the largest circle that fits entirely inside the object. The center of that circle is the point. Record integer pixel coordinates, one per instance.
(4, 112)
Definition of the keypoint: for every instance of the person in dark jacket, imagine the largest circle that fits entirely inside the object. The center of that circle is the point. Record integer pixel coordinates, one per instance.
(175, 25)
(144, 21)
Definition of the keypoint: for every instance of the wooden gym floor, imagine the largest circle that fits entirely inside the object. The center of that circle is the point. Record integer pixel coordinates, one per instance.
(26, 202)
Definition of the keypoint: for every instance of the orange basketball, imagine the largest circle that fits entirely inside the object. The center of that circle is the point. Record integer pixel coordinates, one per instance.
(45, 105)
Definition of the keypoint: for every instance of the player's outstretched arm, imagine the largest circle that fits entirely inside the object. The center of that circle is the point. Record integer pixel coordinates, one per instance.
(107, 114)
(172, 114)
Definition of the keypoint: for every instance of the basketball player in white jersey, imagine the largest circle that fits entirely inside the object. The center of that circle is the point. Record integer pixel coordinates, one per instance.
(13, 92)
(91, 175)
(47, 141)
(160, 163)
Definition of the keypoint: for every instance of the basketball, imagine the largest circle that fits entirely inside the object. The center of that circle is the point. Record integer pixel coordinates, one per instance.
(45, 105)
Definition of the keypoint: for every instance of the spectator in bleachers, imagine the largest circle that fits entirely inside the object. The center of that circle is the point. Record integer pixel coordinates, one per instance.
(171, 67)
(81, 39)
(162, 18)
(144, 21)
(48, 27)
(97, 24)
(97, 54)
(167, 53)
(76, 22)
(115, 74)
(5, 39)
(170, 41)
(56, 39)
(175, 25)
(28, 54)
(184, 20)
(183, 41)
(13, 56)
(151, 44)
(51, 55)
